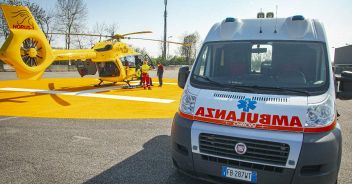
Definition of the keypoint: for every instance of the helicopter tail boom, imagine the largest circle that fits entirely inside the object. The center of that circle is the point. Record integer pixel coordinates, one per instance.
(83, 54)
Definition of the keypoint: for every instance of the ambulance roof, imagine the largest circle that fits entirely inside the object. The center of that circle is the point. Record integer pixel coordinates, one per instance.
(292, 28)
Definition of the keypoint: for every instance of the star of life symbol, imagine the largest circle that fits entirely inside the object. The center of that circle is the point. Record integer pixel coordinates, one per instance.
(246, 104)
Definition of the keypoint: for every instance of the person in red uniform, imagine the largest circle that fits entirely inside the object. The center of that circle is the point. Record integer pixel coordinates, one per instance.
(160, 73)
(145, 76)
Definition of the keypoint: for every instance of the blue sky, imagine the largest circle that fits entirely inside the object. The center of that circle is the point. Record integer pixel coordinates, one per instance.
(187, 16)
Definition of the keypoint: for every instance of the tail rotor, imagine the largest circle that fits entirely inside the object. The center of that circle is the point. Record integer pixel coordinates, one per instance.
(31, 52)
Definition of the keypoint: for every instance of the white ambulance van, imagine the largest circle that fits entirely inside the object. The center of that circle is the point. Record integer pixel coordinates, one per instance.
(259, 105)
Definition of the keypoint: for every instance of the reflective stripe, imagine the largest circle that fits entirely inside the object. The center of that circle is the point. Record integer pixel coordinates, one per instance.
(330, 127)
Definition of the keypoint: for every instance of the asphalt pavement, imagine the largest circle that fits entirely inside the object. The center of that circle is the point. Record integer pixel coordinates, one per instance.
(86, 151)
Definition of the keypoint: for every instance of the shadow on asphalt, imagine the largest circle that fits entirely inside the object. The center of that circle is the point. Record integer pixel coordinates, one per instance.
(151, 165)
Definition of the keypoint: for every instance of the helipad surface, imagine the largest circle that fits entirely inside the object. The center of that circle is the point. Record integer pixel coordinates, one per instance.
(78, 98)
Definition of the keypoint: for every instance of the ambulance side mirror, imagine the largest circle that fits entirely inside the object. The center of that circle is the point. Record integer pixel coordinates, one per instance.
(344, 83)
(183, 73)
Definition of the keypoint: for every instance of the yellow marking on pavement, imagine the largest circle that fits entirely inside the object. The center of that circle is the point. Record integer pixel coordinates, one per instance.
(78, 98)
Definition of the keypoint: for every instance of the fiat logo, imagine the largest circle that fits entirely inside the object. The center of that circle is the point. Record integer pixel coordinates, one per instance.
(240, 148)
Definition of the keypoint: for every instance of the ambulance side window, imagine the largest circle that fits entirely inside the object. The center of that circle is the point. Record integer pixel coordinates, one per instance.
(201, 68)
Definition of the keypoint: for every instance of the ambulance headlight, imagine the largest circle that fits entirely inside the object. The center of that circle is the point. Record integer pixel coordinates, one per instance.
(188, 102)
(321, 115)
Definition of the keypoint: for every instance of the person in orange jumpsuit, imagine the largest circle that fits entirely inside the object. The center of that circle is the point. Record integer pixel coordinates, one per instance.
(145, 76)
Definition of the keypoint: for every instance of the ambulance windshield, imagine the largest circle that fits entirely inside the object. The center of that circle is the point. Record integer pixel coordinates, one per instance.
(264, 66)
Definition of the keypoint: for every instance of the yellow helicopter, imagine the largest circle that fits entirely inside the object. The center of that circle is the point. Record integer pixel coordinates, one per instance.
(28, 51)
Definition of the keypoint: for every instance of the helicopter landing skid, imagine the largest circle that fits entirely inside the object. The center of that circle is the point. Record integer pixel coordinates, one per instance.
(103, 85)
(129, 86)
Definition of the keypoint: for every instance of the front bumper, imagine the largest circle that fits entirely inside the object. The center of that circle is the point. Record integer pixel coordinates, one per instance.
(318, 161)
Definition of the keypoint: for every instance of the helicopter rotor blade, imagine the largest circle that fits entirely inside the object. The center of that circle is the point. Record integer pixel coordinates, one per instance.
(155, 40)
(122, 36)
(112, 37)
(81, 34)
(139, 32)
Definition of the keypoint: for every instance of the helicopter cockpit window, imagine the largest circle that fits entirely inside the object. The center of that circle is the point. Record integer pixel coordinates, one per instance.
(108, 69)
(129, 61)
(139, 61)
(106, 48)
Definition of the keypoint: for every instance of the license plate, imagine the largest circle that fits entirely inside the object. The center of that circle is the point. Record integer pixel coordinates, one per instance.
(239, 174)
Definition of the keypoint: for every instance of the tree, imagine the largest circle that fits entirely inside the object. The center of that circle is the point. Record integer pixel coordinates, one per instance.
(189, 52)
(142, 51)
(70, 15)
(111, 29)
(79, 41)
(91, 40)
(99, 28)
(47, 25)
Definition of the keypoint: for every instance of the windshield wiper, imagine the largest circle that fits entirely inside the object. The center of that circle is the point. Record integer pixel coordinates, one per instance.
(250, 88)
(227, 86)
(208, 79)
(279, 89)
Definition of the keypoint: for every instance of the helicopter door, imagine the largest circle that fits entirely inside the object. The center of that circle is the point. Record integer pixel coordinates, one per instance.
(108, 69)
(86, 68)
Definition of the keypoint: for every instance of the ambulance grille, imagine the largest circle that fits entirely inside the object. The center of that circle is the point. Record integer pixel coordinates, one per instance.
(257, 151)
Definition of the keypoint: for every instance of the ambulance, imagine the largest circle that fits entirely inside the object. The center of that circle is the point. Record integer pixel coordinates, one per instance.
(258, 105)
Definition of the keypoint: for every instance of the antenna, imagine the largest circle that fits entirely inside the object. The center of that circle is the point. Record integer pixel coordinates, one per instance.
(261, 31)
(275, 31)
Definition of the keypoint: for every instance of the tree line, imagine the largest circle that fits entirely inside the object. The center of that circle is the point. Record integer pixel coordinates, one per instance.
(70, 16)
